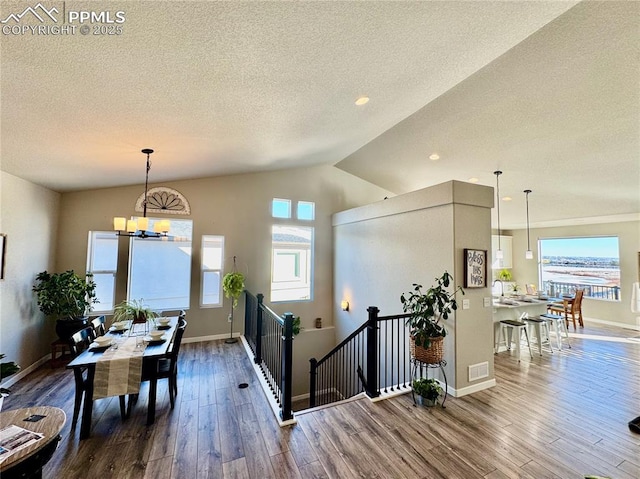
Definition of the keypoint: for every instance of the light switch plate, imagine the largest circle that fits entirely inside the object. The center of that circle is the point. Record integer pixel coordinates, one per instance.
(465, 304)
(487, 302)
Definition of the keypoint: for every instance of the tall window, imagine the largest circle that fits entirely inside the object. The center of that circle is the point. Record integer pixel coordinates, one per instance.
(102, 262)
(160, 269)
(212, 260)
(588, 263)
(292, 251)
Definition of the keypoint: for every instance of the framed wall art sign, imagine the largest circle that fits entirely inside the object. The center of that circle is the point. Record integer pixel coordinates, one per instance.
(475, 268)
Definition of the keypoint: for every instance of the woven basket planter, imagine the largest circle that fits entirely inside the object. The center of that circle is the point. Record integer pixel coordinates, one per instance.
(431, 355)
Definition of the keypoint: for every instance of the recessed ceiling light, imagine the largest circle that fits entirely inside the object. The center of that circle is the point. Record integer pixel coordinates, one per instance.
(434, 156)
(506, 198)
(362, 100)
(473, 180)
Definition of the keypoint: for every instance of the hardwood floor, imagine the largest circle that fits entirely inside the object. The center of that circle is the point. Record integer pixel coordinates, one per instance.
(557, 416)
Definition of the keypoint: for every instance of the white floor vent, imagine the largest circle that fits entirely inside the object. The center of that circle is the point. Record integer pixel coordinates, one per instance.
(478, 371)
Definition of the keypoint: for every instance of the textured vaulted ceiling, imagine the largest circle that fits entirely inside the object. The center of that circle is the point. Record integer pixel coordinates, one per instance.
(545, 91)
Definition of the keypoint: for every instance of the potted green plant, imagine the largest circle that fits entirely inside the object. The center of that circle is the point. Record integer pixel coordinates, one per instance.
(6, 370)
(68, 298)
(233, 286)
(133, 310)
(427, 309)
(296, 326)
(505, 275)
(427, 390)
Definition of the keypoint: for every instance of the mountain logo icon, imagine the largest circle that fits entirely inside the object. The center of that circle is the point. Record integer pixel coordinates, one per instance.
(39, 11)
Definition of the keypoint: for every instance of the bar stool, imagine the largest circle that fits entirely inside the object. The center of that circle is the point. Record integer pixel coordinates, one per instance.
(541, 326)
(511, 325)
(559, 325)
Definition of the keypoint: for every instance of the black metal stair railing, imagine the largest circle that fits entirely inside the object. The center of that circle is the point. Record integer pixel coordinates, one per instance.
(374, 359)
(270, 337)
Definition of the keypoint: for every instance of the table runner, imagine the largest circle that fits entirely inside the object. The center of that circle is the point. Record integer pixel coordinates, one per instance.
(119, 371)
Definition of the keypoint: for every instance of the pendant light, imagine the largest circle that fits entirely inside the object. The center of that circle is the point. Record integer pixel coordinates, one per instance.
(499, 254)
(529, 253)
(139, 228)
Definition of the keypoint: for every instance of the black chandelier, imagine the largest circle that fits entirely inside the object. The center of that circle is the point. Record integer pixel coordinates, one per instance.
(139, 228)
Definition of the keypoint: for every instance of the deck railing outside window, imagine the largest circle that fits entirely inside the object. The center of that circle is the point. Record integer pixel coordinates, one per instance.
(556, 289)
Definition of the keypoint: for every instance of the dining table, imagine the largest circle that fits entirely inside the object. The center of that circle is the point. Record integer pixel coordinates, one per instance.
(88, 359)
(28, 459)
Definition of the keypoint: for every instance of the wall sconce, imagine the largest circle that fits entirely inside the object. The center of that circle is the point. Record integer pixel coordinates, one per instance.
(344, 305)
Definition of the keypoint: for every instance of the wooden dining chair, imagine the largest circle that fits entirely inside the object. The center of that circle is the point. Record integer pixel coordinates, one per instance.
(569, 306)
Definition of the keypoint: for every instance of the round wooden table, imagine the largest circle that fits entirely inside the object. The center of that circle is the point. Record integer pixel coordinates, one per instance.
(28, 462)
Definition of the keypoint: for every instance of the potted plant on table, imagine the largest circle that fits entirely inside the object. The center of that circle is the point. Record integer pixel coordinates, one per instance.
(427, 390)
(426, 310)
(66, 297)
(133, 310)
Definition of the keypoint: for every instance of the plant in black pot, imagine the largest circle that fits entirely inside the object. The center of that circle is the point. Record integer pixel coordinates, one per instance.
(6, 370)
(66, 297)
(427, 309)
(428, 390)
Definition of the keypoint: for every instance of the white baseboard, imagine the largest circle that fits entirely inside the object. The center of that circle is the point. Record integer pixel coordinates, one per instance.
(11, 380)
(614, 323)
(213, 337)
(474, 388)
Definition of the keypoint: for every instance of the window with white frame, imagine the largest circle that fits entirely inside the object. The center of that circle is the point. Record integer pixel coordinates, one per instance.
(291, 263)
(160, 269)
(590, 263)
(211, 268)
(102, 262)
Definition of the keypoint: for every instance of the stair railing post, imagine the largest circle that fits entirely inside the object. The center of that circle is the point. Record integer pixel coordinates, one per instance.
(372, 353)
(313, 377)
(258, 357)
(287, 368)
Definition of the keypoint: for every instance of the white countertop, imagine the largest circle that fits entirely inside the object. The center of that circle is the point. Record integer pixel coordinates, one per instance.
(519, 303)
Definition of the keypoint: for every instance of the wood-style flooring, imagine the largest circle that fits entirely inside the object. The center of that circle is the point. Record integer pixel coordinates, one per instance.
(563, 415)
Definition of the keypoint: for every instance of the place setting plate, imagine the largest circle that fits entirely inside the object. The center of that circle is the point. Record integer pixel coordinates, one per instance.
(117, 330)
(99, 347)
(150, 340)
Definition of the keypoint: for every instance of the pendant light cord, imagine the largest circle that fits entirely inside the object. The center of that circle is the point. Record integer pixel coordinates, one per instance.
(528, 241)
(498, 173)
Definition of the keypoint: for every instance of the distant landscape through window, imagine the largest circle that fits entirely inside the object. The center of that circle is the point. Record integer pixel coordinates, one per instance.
(589, 263)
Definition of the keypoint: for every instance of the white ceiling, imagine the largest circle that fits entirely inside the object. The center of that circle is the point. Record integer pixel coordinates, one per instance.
(546, 92)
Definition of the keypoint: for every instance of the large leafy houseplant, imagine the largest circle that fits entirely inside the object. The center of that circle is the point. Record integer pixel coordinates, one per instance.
(428, 308)
(66, 297)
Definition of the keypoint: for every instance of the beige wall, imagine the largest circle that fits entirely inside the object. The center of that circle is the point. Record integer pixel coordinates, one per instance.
(619, 312)
(237, 207)
(28, 216)
(383, 248)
